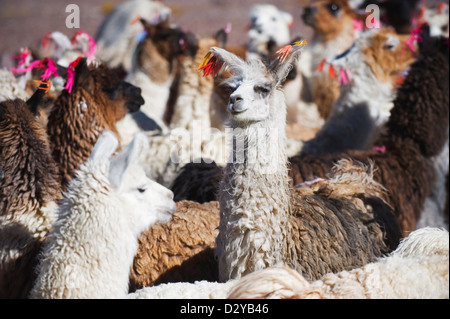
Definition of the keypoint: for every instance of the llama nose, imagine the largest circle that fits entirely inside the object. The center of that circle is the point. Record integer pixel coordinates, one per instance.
(309, 15)
(236, 104)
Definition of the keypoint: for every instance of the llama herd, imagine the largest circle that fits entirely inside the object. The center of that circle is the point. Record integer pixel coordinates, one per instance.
(155, 163)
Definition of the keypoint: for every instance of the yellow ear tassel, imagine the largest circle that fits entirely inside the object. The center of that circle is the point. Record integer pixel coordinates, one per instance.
(205, 60)
(299, 43)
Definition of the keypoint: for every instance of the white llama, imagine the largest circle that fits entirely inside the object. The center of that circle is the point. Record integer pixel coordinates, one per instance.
(375, 63)
(91, 248)
(263, 222)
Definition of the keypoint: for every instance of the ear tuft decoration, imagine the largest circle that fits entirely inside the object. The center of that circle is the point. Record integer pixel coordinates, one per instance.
(71, 74)
(210, 65)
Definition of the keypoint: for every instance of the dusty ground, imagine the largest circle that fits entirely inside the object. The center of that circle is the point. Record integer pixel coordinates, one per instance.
(25, 22)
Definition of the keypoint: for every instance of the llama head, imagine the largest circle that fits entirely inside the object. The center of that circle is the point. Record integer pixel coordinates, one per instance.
(329, 18)
(438, 19)
(148, 201)
(381, 52)
(269, 27)
(163, 43)
(114, 96)
(254, 88)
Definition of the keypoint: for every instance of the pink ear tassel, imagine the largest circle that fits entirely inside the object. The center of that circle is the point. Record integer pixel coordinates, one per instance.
(22, 57)
(343, 80)
(33, 65)
(50, 69)
(228, 28)
(71, 74)
(380, 149)
(92, 48)
(358, 25)
(415, 36)
(284, 52)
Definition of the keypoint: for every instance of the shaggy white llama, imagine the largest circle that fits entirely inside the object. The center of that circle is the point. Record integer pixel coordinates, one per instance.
(417, 269)
(263, 222)
(10, 88)
(91, 248)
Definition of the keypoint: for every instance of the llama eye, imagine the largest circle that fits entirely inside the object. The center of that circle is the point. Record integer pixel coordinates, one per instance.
(227, 90)
(334, 8)
(142, 190)
(264, 90)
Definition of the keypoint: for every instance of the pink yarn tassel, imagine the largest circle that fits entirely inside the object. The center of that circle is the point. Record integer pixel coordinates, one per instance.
(358, 25)
(71, 74)
(343, 79)
(50, 69)
(381, 149)
(22, 57)
(31, 66)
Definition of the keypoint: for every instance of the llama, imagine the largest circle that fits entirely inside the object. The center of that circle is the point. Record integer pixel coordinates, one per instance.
(254, 191)
(89, 252)
(404, 164)
(376, 61)
(117, 37)
(416, 132)
(399, 13)
(333, 23)
(417, 269)
(438, 19)
(154, 71)
(98, 101)
(269, 30)
(29, 190)
(10, 88)
(357, 118)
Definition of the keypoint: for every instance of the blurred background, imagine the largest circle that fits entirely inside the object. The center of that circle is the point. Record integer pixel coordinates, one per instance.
(24, 22)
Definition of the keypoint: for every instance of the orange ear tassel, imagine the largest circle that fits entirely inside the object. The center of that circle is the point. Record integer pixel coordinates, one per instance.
(321, 65)
(332, 73)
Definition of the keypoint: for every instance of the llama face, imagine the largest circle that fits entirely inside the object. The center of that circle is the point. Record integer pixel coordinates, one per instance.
(328, 18)
(254, 88)
(268, 24)
(147, 200)
(114, 97)
(250, 97)
(382, 52)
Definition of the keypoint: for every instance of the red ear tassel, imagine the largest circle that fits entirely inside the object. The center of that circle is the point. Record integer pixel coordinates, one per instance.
(321, 65)
(332, 73)
(441, 8)
(212, 67)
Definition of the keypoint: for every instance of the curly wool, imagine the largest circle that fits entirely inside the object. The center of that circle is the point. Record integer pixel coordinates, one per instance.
(417, 269)
(181, 250)
(29, 188)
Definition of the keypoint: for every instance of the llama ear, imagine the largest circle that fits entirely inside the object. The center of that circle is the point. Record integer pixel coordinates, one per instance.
(82, 73)
(286, 61)
(105, 147)
(288, 18)
(218, 58)
(131, 155)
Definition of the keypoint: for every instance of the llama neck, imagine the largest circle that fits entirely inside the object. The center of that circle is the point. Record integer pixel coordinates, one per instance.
(73, 129)
(367, 88)
(327, 47)
(195, 92)
(254, 197)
